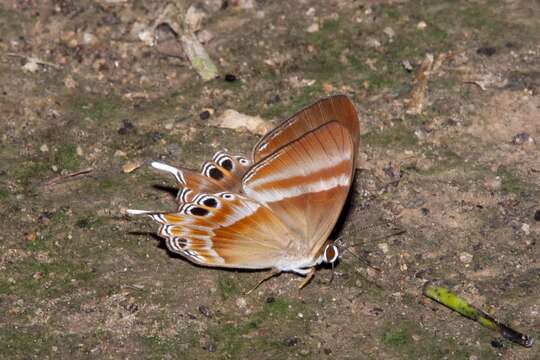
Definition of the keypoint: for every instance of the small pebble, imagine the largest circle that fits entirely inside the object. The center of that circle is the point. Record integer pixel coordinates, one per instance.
(241, 302)
(89, 38)
(522, 138)
(465, 257)
(389, 32)
(205, 311)
(290, 341)
(131, 166)
(31, 236)
(205, 36)
(273, 99)
(403, 267)
(44, 148)
(493, 183)
(383, 247)
(126, 127)
(313, 28)
(407, 65)
(421, 133)
(204, 115)
(421, 25)
(230, 77)
(486, 51)
(373, 43)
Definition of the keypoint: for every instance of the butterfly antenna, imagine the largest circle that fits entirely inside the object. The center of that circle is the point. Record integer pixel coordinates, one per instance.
(396, 231)
(364, 260)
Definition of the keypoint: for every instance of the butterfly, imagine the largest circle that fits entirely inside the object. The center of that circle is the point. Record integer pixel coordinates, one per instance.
(276, 209)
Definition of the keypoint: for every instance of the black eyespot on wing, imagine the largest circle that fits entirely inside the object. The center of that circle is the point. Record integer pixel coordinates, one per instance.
(210, 202)
(198, 211)
(227, 164)
(215, 174)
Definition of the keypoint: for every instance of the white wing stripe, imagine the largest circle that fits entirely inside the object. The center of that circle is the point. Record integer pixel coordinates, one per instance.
(318, 185)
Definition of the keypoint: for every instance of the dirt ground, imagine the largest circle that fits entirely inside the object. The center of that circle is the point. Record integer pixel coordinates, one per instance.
(90, 90)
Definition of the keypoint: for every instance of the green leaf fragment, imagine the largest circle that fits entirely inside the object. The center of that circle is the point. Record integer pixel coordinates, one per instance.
(456, 303)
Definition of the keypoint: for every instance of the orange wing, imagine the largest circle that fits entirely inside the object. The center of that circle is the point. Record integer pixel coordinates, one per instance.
(334, 108)
(295, 193)
(223, 173)
(225, 230)
(305, 183)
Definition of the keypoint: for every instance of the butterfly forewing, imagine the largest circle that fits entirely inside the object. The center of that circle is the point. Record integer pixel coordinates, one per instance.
(305, 183)
(334, 108)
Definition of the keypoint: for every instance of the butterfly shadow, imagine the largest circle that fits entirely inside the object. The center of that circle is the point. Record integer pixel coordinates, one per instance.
(161, 244)
(171, 190)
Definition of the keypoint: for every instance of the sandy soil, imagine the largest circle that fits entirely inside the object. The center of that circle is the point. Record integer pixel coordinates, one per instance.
(92, 91)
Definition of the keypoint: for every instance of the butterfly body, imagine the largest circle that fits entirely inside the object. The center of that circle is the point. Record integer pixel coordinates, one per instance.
(275, 210)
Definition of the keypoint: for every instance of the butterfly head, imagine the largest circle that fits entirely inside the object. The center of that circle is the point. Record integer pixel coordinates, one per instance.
(330, 254)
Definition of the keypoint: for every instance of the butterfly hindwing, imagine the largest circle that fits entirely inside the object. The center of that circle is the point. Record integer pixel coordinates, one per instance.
(223, 173)
(225, 230)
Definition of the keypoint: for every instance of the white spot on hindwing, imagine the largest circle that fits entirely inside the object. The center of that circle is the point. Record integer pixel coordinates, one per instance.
(243, 161)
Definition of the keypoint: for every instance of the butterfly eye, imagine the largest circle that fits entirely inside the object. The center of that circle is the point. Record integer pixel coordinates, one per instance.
(330, 254)
(197, 211)
(227, 164)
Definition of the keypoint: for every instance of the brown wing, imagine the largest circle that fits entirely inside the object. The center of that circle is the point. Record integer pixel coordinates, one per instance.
(225, 230)
(306, 183)
(223, 173)
(334, 108)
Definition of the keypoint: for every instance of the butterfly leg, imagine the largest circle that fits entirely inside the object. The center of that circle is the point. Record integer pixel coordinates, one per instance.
(272, 273)
(309, 276)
